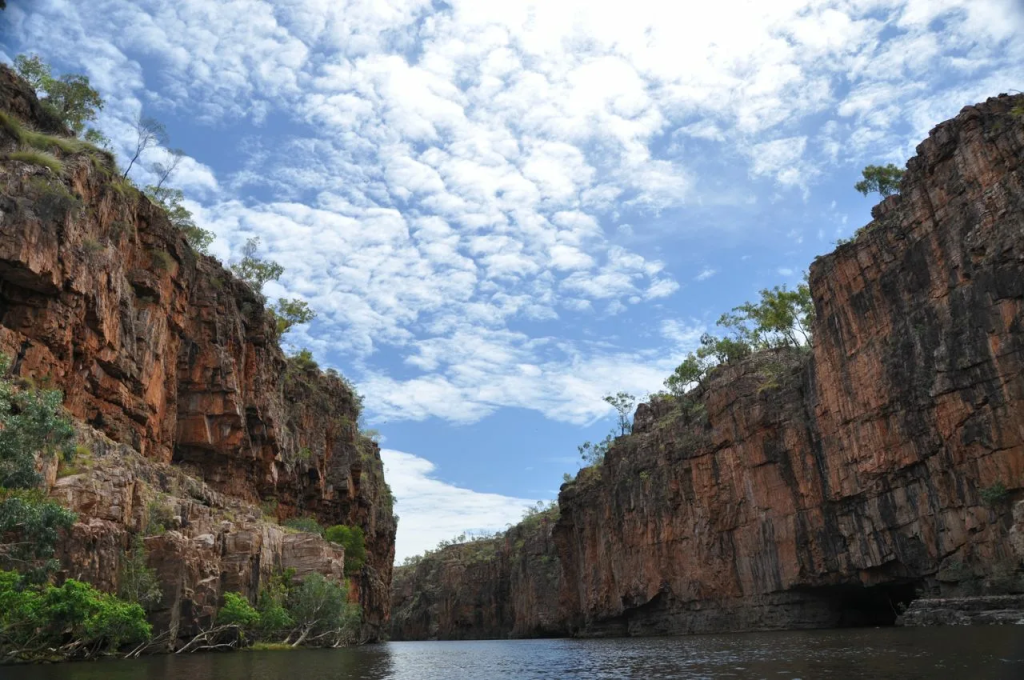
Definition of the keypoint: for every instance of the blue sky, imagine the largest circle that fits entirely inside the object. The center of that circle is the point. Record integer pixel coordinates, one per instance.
(505, 210)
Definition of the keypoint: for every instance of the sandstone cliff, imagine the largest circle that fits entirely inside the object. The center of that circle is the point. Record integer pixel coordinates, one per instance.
(833, 486)
(494, 588)
(166, 352)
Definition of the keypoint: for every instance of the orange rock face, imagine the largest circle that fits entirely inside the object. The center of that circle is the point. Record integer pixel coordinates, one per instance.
(809, 488)
(165, 351)
(489, 589)
(854, 483)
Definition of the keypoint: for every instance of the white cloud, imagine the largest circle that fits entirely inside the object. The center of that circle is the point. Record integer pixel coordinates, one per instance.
(431, 510)
(705, 274)
(442, 174)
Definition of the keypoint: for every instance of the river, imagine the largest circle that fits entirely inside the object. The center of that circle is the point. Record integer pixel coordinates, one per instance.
(880, 653)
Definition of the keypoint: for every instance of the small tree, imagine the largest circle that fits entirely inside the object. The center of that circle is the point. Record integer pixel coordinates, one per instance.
(31, 423)
(623, 403)
(321, 611)
(254, 270)
(885, 179)
(354, 542)
(781, 318)
(593, 453)
(180, 216)
(69, 97)
(288, 313)
(149, 132)
(137, 583)
(163, 171)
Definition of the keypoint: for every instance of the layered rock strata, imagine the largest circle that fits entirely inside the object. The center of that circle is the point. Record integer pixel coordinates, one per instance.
(494, 588)
(835, 485)
(165, 351)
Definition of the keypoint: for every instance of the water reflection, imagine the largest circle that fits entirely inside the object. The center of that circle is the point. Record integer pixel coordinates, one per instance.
(903, 654)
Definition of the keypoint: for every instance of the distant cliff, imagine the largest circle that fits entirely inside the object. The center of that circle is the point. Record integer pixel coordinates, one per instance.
(506, 586)
(165, 352)
(824, 487)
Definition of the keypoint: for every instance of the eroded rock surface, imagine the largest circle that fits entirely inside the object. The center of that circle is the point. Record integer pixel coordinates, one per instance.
(818, 488)
(854, 483)
(488, 589)
(165, 351)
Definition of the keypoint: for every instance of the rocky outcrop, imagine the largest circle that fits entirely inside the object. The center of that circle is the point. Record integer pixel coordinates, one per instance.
(816, 488)
(828, 488)
(165, 351)
(494, 588)
(201, 543)
(965, 611)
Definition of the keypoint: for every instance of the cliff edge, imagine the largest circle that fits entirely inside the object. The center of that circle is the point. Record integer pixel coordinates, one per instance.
(833, 485)
(162, 350)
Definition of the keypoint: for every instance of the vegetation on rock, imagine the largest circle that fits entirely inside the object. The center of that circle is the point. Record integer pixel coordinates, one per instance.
(883, 179)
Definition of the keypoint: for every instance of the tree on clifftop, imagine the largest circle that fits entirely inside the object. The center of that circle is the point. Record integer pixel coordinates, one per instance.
(885, 179)
(70, 97)
(257, 272)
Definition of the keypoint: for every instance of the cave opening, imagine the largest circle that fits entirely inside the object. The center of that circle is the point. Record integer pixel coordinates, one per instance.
(878, 605)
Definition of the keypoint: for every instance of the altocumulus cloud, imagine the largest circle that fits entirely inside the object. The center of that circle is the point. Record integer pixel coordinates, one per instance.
(432, 510)
(449, 177)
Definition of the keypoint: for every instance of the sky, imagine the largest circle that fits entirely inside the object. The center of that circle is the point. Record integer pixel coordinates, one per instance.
(503, 211)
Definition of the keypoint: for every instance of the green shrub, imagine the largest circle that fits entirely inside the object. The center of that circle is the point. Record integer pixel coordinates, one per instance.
(39, 158)
(354, 542)
(303, 360)
(162, 260)
(160, 516)
(306, 524)
(237, 612)
(32, 423)
(137, 583)
(997, 494)
(52, 199)
(73, 620)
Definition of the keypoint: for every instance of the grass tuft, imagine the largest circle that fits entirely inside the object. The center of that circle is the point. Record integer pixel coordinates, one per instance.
(39, 158)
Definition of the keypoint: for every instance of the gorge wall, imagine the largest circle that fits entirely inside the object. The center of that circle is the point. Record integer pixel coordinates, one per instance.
(162, 352)
(817, 488)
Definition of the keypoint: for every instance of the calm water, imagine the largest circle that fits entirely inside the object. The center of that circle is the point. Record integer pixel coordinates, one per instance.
(901, 654)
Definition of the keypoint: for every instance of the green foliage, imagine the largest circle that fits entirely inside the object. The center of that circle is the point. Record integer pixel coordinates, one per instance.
(306, 524)
(288, 313)
(540, 513)
(39, 158)
(162, 260)
(32, 423)
(179, 216)
(623, 403)
(29, 528)
(320, 608)
(52, 199)
(254, 270)
(148, 132)
(274, 617)
(137, 583)
(238, 612)
(73, 620)
(781, 318)
(884, 179)
(997, 494)
(354, 542)
(69, 97)
(594, 453)
(303, 360)
(159, 516)
(39, 140)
